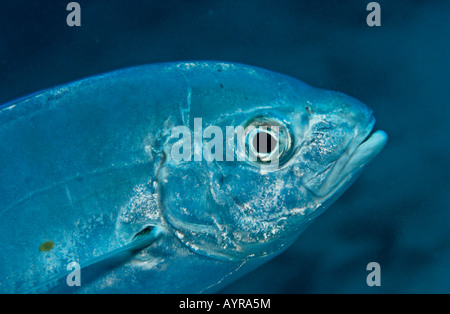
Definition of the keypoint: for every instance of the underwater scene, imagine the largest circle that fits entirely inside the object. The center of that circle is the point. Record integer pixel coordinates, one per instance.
(344, 107)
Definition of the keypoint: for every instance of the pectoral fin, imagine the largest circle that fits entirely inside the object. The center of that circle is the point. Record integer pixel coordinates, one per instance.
(106, 262)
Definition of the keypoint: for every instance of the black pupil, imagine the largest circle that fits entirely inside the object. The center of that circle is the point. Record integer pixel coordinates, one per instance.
(264, 143)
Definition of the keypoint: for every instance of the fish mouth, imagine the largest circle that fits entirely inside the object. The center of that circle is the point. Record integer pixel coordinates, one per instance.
(364, 148)
(366, 151)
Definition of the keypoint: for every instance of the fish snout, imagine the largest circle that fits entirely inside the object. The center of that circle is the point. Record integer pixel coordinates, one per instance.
(345, 125)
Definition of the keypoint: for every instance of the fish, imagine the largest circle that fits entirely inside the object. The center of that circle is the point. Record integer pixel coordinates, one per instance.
(114, 172)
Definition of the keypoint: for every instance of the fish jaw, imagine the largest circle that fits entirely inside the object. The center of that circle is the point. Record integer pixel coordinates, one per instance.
(350, 165)
(366, 151)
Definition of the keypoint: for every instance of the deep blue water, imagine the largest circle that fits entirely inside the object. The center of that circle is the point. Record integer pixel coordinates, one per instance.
(396, 214)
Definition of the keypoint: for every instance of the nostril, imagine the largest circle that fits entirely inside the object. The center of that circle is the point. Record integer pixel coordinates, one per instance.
(220, 178)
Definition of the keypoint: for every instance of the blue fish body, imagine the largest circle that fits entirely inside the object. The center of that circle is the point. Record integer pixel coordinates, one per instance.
(88, 165)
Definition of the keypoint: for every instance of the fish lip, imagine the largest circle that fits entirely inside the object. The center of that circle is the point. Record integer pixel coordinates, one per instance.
(365, 146)
(368, 149)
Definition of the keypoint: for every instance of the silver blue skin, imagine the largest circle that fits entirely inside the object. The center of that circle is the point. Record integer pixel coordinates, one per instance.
(88, 165)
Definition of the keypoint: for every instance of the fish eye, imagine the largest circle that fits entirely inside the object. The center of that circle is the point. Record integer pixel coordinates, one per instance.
(266, 140)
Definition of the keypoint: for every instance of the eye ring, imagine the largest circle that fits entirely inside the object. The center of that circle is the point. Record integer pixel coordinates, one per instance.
(273, 141)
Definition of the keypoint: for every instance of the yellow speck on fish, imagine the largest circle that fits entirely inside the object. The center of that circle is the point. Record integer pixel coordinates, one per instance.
(46, 246)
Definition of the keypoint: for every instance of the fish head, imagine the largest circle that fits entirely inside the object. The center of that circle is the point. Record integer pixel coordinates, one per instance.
(284, 161)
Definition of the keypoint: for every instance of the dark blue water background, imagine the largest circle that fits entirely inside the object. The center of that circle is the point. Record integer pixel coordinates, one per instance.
(396, 214)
